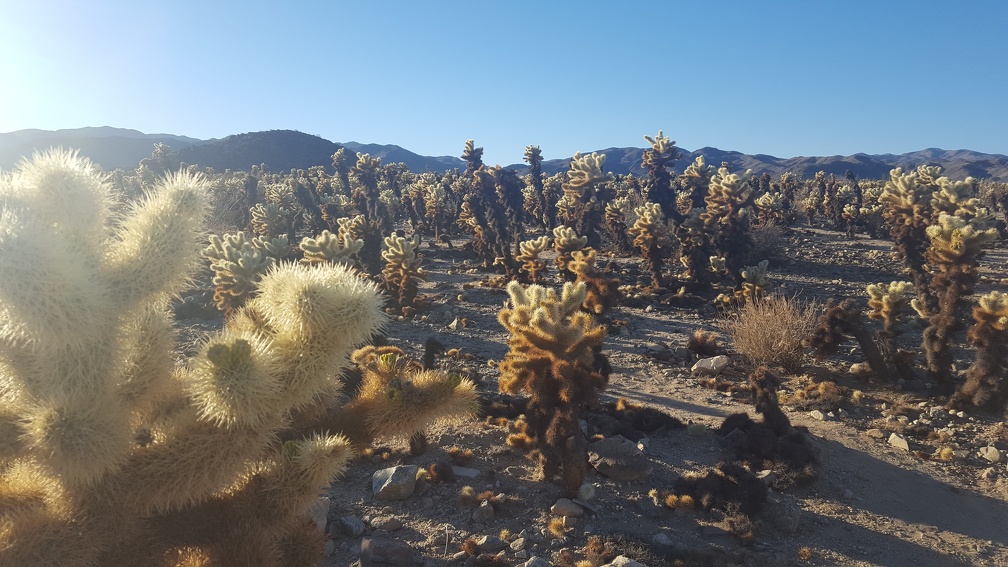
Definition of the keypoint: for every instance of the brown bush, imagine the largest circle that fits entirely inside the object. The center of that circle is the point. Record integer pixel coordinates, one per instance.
(770, 330)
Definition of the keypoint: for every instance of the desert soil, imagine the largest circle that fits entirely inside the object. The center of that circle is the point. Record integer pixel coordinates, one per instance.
(871, 503)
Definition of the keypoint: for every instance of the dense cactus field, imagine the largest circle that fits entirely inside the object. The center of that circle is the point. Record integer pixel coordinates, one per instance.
(360, 364)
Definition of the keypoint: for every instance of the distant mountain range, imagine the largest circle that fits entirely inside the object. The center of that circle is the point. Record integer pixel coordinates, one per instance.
(282, 150)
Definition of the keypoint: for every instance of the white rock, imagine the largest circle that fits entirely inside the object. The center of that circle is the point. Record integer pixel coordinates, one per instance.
(394, 483)
(898, 441)
(992, 454)
(816, 414)
(564, 507)
(713, 365)
(624, 561)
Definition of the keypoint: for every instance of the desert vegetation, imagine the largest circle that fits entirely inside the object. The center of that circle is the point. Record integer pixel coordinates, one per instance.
(298, 295)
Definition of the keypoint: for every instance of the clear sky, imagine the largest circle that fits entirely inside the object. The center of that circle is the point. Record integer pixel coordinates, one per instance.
(785, 78)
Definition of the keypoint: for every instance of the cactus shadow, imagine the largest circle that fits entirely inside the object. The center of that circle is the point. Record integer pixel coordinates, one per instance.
(891, 492)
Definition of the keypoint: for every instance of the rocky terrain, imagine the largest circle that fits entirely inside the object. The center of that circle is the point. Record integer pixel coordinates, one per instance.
(884, 492)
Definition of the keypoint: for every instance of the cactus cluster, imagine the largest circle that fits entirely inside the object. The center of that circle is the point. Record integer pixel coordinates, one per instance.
(403, 272)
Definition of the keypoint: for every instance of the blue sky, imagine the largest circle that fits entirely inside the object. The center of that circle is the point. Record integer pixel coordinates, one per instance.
(782, 78)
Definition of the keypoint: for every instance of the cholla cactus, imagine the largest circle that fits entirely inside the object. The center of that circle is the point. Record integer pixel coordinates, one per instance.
(955, 251)
(553, 359)
(536, 202)
(473, 157)
(270, 220)
(440, 209)
(615, 223)
(601, 289)
(529, 252)
(565, 242)
(986, 383)
(770, 208)
(402, 270)
(696, 180)
(109, 454)
(754, 280)
(657, 162)
(650, 233)
(238, 265)
(585, 195)
(329, 247)
(726, 217)
(278, 248)
(367, 200)
(889, 303)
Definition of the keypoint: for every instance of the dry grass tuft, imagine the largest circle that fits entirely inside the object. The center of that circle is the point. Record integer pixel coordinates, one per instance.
(770, 330)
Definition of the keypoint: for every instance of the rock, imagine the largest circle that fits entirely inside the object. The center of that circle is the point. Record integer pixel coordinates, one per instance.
(659, 351)
(518, 544)
(861, 369)
(387, 523)
(536, 562)
(713, 365)
(385, 552)
(521, 553)
(784, 514)
(875, 433)
(619, 459)
(768, 476)
(565, 507)
(394, 483)
(899, 441)
(816, 414)
(736, 439)
(320, 512)
(661, 538)
(465, 472)
(586, 505)
(350, 526)
(491, 544)
(624, 561)
(992, 454)
(484, 513)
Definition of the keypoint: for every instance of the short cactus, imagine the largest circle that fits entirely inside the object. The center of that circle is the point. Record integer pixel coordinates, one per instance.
(529, 252)
(650, 233)
(986, 384)
(566, 241)
(238, 265)
(329, 247)
(403, 271)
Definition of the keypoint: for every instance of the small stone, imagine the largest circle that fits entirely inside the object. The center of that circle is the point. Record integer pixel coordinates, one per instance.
(465, 472)
(875, 433)
(816, 414)
(350, 526)
(861, 369)
(661, 538)
(394, 483)
(387, 523)
(992, 454)
(624, 561)
(518, 544)
(564, 507)
(935, 411)
(619, 459)
(768, 476)
(385, 552)
(521, 553)
(961, 414)
(713, 365)
(649, 309)
(899, 441)
(536, 562)
(591, 509)
(320, 512)
(484, 513)
(491, 544)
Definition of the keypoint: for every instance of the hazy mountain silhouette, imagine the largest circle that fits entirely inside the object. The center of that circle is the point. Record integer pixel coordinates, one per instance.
(282, 150)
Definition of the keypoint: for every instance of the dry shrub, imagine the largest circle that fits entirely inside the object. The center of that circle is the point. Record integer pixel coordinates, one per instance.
(770, 330)
(768, 242)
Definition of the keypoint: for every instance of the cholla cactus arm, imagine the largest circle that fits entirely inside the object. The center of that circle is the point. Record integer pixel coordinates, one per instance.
(657, 162)
(237, 265)
(328, 247)
(529, 251)
(585, 172)
(602, 290)
(889, 303)
(986, 383)
(270, 220)
(754, 280)
(473, 157)
(278, 248)
(402, 269)
(397, 398)
(565, 242)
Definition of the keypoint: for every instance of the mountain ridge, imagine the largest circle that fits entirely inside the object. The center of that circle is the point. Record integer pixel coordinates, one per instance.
(282, 150)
